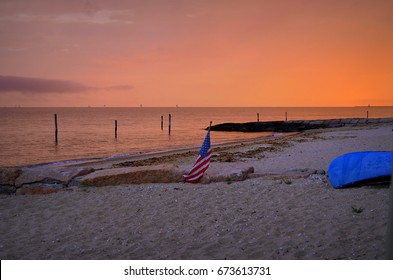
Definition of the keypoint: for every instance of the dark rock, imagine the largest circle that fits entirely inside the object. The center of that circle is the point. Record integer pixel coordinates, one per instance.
(5, 189)
(295, 126)
(278, 126)
(8, 175)
(320, 172)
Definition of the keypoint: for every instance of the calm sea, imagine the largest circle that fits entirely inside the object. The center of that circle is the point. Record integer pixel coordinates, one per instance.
(27, 134)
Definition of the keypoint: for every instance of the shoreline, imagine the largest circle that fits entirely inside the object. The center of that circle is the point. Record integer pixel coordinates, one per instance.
(251, 127)
(55, 176)
(284, 209)
(143, 154)
(115, 157)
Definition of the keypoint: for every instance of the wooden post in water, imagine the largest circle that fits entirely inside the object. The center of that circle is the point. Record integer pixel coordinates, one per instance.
(169, 123)
(367, 115)
(56, 128)
(257, 117)
(286, 116)
(162, 122)
(115, 128)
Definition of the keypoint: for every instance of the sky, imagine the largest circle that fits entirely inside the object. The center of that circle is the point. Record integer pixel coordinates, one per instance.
(163, 53)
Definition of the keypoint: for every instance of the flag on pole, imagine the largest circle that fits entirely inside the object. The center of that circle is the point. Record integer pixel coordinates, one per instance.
(202, 162)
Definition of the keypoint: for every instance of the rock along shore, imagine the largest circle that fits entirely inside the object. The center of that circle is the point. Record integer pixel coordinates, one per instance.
(296, 125)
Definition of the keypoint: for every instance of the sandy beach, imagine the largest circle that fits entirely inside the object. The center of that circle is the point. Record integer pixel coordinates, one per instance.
(286, 209)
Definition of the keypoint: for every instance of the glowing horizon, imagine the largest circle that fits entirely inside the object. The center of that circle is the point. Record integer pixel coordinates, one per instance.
(196, 53)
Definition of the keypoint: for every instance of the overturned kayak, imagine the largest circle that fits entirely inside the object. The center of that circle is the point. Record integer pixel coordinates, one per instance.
(354, 168)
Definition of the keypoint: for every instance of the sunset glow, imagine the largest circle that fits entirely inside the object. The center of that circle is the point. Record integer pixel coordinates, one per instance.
(196, 53)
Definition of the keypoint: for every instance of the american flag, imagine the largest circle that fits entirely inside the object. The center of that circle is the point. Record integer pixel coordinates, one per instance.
(202, 162)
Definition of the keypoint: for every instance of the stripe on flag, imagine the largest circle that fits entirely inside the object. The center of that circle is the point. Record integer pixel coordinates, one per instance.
(202, 162)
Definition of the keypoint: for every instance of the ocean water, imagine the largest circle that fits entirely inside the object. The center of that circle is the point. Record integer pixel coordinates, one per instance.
(27, 134)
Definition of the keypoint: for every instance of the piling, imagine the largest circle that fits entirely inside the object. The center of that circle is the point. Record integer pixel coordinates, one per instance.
(169, 123)
(257, 117)
(115, 128)
(286, 116)
(162, 122)
(56, 131)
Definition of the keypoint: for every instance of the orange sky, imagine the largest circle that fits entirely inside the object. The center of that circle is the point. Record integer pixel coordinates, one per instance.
(196, 53)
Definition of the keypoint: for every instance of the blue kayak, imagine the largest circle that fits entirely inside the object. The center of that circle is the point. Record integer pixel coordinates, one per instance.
(357, 167)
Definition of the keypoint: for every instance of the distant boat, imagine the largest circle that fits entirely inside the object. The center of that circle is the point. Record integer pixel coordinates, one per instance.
(355, 168)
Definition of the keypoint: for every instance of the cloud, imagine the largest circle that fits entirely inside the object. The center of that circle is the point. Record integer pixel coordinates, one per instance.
(36, 85)
(119, 87)
(101, 17)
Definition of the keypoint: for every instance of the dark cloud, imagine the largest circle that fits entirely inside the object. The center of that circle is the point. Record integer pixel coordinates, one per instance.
(36, 85)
